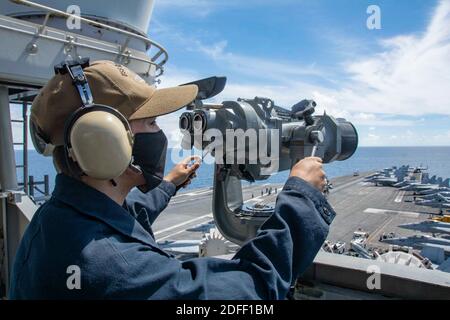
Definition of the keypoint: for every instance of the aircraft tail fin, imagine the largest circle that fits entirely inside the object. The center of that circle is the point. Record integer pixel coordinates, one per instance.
(445, 183)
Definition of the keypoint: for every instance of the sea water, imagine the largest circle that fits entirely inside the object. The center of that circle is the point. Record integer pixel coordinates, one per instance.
(437, 159)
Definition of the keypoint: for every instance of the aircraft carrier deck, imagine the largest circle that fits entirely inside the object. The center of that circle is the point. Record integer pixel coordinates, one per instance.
(359, 205)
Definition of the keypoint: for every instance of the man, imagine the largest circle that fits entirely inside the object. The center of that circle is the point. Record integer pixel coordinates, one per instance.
(93, 238)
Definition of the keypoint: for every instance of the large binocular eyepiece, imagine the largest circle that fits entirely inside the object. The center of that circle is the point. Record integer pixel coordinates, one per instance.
(287, 136)
(349, 139)
(251, 139)
(194, 121)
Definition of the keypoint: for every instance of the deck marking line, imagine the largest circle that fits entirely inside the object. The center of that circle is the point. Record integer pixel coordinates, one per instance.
(209, 215)
(399, 196)
(386, 211)
(375, 233)
(181, 231)
(197, 193)
(345, 185)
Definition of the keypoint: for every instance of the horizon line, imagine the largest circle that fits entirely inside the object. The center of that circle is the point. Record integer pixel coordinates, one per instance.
(432, 146)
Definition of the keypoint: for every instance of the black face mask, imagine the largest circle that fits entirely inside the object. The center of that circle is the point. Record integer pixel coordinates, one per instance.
(149, 153)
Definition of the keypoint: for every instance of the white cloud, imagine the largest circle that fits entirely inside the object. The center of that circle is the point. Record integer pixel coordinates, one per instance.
(284, 95)
(370, 140)
(264, 69)
(408, 76)
(280, 71)
(404, 138)
(445, 136)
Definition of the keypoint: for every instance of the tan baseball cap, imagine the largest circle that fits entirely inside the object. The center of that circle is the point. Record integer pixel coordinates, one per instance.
(111, 84)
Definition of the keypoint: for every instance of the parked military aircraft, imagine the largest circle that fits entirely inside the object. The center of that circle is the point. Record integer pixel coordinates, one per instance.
(419, 241)
(442, 190)
(426, 186)
(433, 196)
(428, 226)
(439, 202)
(389, 176)
(413, 182)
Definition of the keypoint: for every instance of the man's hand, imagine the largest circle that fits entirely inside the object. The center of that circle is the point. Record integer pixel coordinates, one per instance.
(182, 174)
(310, 170)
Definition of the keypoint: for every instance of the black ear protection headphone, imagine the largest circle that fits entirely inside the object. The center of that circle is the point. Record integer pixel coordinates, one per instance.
(97, 138)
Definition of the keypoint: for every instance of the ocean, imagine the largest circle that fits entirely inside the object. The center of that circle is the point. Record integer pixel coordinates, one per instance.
(437, 159)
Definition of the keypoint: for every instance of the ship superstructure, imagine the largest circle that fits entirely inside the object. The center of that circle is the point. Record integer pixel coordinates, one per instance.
(38, 35)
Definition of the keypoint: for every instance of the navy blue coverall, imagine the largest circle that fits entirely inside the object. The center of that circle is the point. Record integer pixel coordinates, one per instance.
(117, 257)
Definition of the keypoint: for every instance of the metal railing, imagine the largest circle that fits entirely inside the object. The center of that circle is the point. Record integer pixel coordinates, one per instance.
(158, 59)
(24, 144)
(34, 186)
(29, 185)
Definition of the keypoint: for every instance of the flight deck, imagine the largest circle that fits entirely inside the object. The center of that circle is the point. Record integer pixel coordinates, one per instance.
(359, 205)
(362, 208)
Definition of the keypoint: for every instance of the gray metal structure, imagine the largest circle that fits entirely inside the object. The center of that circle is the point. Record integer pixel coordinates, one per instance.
(37, 38)
(287, 135)
(110, 12)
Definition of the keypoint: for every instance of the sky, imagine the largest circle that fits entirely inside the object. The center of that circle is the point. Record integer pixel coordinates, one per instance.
(393, 82)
